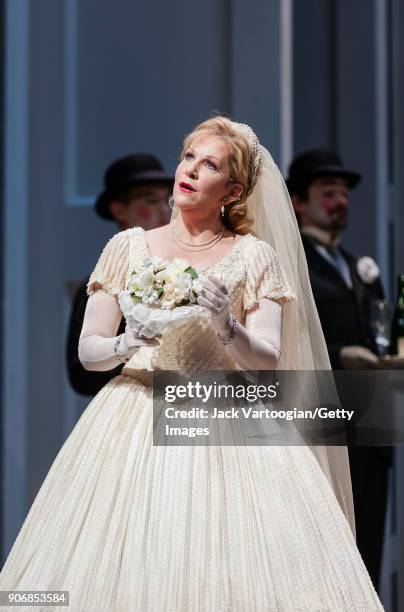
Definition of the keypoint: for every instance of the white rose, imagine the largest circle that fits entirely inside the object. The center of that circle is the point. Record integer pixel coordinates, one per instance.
(180, 264)
(183, 280)
(168, 300)
(162, 276)
(168, 275)
(158, 263)
(180, 296)
(183, 287)
(368, 269)
(145, 280)
(170, 270)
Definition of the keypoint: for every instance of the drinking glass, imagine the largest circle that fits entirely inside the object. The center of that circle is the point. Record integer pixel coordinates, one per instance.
(380, 318)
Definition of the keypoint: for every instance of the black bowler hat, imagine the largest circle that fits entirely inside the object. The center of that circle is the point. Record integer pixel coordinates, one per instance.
(314, 164)
(127, 172)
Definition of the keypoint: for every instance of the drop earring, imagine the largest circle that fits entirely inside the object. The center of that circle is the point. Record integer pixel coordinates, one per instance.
(171, 202)
(224, 199)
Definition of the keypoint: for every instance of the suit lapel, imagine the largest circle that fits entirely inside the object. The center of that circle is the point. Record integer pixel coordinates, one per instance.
(357, 284)
(319, 264)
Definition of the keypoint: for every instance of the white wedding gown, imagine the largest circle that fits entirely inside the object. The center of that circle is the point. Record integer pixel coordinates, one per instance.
(126, 526)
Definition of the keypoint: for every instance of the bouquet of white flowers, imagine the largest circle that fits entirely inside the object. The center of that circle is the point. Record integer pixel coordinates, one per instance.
(160, 296)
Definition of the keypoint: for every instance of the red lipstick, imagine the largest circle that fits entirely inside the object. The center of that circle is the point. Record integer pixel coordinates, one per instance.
(186, 187)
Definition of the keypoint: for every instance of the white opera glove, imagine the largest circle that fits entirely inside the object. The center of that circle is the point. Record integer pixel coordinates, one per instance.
(358, 358)
(255, 346)
(132, 339)
(99, 347)
(214, 296)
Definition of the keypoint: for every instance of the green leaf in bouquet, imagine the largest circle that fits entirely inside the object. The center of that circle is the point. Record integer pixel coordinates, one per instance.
(191, 271)
(135, 298)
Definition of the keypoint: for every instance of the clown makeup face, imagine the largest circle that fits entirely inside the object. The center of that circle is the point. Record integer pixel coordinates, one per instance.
(145, 205)
(326, 206)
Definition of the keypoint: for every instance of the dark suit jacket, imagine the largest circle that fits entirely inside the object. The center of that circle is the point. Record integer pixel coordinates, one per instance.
(344, 313)
(83, 381)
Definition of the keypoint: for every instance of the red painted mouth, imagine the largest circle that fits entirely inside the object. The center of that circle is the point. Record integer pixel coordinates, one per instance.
(186, 187)
(332, 209)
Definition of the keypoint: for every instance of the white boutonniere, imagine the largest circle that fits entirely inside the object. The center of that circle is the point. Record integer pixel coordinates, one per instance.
(368, 269)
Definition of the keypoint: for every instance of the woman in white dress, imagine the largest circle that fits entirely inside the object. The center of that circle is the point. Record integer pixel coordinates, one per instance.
(126, 526)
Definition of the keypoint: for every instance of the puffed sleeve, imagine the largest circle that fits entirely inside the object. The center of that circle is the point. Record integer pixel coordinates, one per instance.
(265, 277)
(110, 272)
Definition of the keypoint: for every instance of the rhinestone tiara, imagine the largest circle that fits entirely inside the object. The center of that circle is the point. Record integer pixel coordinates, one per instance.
(255, 153)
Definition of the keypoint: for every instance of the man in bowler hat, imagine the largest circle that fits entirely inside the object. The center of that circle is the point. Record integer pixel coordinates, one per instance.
(343, 286)
(136, 191)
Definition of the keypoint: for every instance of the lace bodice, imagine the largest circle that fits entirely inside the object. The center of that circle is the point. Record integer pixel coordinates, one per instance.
(250, 271)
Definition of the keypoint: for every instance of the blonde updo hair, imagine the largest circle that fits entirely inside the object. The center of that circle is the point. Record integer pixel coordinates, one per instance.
(235, 217)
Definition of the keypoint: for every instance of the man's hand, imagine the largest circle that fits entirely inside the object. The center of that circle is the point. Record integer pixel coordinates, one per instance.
(358, 358)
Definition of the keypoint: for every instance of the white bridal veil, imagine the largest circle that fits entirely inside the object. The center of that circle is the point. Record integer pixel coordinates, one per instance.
(303, 344)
